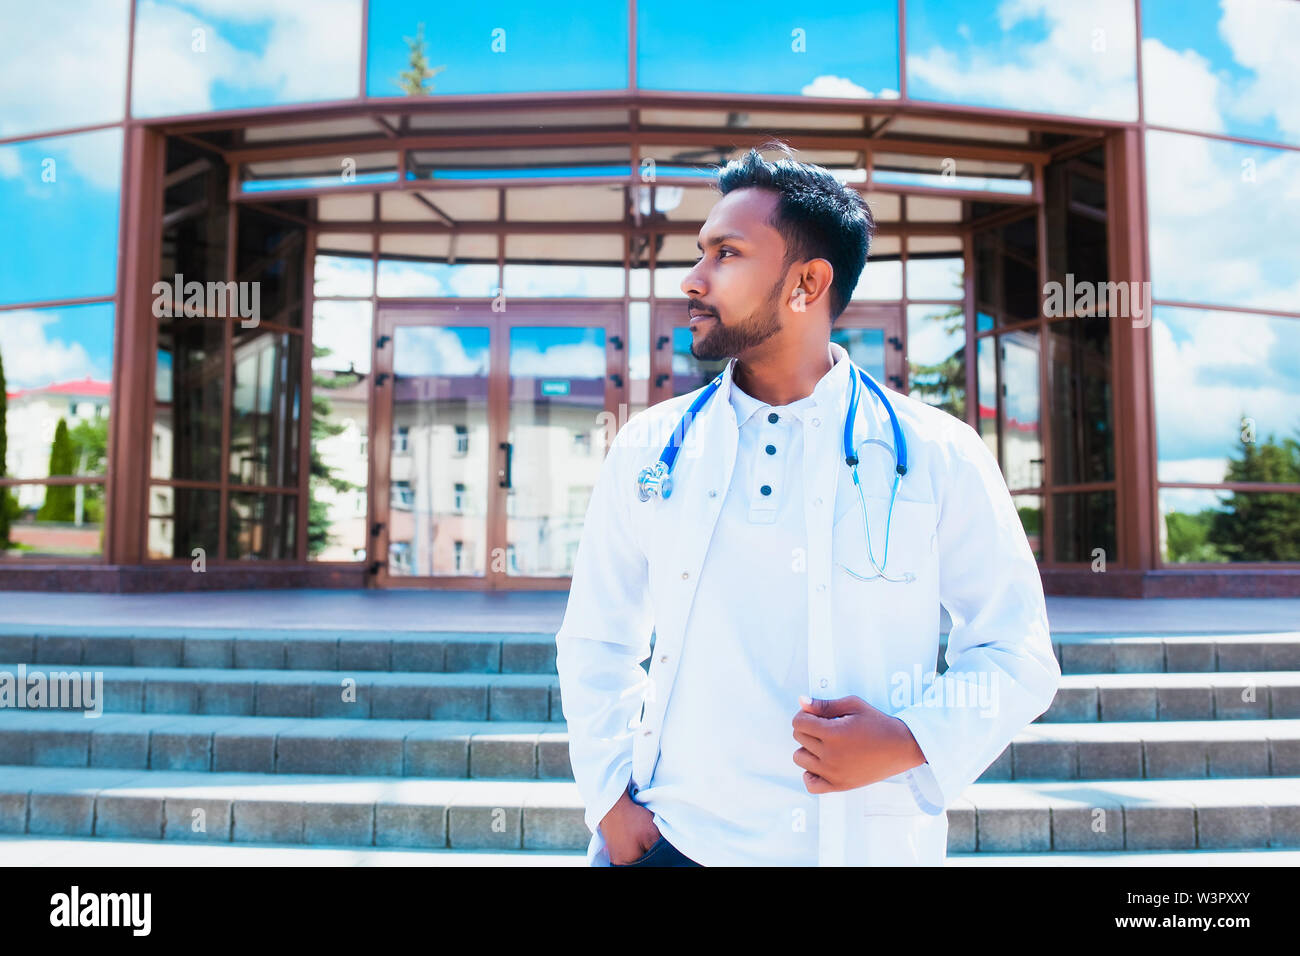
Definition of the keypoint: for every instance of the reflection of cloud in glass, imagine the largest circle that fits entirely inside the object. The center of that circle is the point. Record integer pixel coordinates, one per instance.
(436, 279)
(1048, 56)
(44, 346)
(342, 275)
(344, 329)
(60, 240)
(439, 350)
(1211, 368)
(1222, 222)
(255, 53)
(1225, 68)
(63, 65)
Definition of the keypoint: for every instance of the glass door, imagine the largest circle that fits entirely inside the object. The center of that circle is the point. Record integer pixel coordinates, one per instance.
(490, 431)
(872, 335)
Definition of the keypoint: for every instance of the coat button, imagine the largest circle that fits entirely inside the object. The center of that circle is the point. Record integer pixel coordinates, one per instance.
(712, 493)
(773, 417)
(770, 449)
(766, 489)
(663, 659)
(685, 575)
(824, 683)
(820, 588)
(817, 502)
(816, 422)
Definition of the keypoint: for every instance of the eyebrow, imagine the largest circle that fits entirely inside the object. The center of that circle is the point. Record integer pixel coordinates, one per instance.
(716, 240)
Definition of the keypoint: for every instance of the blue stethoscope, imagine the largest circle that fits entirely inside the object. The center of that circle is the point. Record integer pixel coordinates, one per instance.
(657, 479)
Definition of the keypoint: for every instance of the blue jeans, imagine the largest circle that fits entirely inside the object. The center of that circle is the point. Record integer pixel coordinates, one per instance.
(661, 853)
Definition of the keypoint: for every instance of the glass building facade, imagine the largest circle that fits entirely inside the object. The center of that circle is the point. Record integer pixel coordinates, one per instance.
(338, 293)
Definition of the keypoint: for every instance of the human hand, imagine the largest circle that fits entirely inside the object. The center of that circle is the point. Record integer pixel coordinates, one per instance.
(629, 830)
(847, 743)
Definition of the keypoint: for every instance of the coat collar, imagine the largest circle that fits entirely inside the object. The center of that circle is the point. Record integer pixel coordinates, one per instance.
(834, 382)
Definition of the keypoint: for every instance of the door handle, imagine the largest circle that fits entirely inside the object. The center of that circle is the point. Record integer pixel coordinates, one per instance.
(618, 380)
(508, 448)
(897, 382)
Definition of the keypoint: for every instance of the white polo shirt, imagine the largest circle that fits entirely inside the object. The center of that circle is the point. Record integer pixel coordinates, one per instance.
(726, 790)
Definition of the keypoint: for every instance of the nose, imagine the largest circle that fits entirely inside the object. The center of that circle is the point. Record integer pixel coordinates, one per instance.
(692, 286)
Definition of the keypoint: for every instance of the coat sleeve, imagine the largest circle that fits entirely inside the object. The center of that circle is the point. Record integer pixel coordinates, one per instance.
(1002, 672)
(604, 635)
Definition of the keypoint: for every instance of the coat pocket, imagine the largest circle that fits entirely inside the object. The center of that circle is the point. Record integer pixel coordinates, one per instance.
(891, 797)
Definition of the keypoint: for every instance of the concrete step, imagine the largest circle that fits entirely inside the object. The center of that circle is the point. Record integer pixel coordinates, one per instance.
(1229, 695)
(540, 750)
(275, 692)
(283, 649)
(534, 653)
(71, 851)
(323, 745)
(1037, 817)
(312, 693)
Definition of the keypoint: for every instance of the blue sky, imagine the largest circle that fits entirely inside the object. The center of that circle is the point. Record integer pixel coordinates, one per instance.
(43, 346)
(61, 240)
(588, 52)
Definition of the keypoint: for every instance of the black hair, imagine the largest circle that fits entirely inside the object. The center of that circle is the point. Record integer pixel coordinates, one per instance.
(818, 216)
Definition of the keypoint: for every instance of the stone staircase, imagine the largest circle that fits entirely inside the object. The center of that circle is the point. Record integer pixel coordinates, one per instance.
(221, 745)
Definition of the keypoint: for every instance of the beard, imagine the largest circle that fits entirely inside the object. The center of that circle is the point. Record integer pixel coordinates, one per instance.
(727, 341)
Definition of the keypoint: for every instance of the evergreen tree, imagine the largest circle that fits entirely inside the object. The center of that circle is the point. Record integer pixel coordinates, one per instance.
(59, 499)
(944, 383)
(1260, 525)
(321, 475)
(418, 73)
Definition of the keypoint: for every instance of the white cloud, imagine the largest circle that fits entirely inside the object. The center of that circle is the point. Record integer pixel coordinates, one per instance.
(32, 358)
(1085, 66)
(844, 88)
(63, 65)
(312, 52)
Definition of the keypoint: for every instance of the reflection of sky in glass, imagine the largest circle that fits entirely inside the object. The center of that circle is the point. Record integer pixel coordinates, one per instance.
(523, 279)
(898, 177)
(929, 341)
(63, 65)
(580, 46)
(436, 279)
(1223, 222)
(935, 278)
(246, 54)
(60, 237)
(1046, 56)
(1226, 67)
(845, 48)
(314, 182)
(514, 172)
(1211, 369)
(44, 346)
(881, 281)
(440, 350)
(344, 329)
(557, 352)
(343, 275)
(867, 349)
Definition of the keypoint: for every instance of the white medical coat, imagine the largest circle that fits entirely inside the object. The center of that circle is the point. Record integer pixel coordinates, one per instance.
(954, 525)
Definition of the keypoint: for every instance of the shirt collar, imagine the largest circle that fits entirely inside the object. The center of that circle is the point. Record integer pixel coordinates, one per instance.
(833, 383)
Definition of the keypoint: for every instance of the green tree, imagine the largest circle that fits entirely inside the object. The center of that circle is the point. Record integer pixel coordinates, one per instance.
(418, 73)
(89, 452)
(944, 383)
(1260, 525)
(321, 475)
(59, 499)
(1187, 538)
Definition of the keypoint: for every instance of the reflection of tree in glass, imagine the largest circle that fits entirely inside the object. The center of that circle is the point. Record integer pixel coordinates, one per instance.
(944, 383)
(89, 450)
(1261, 525)
(318, 517)
(412, 80)
(60, 500)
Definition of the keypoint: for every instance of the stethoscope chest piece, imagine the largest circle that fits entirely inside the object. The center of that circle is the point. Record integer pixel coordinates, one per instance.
(654, 480)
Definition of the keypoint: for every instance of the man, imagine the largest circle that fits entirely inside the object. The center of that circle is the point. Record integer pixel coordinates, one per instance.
(791, 713)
